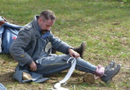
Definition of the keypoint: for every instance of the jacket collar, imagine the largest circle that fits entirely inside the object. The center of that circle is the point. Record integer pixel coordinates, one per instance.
(35, 25)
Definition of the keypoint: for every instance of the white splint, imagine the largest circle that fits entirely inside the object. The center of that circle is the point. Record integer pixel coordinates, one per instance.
(57, 86)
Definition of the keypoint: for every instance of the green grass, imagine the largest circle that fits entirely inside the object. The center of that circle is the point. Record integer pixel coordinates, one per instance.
(103, 24)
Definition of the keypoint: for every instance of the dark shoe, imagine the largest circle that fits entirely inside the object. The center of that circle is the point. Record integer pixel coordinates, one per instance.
(110, 73)
(81, 49)
(89, 78)
(111, 65)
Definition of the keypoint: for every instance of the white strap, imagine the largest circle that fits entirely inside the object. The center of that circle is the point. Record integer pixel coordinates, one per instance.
(57, 86)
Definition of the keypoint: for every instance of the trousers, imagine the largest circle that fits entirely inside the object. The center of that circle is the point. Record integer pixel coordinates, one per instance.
(52, 64)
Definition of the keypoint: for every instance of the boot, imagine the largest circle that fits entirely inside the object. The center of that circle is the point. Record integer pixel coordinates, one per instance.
(111, 65)
(53, 50)
(110, 73)
(81, 49)
(100, 69)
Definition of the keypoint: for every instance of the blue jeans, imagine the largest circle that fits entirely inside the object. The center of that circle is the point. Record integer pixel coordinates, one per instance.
(52, 64)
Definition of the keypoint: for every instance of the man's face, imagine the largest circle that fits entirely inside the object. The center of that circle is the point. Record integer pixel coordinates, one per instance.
(45, 25)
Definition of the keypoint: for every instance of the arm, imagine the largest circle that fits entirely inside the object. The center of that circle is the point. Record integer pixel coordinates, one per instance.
(59, 45)
(63, 47)
(17, 49)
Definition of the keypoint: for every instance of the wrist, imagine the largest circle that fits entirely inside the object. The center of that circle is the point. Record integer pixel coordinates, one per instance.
(29, 63)
(70, 48)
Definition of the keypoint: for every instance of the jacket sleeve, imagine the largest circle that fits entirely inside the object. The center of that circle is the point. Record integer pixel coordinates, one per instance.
(17, 49)
(60, 45)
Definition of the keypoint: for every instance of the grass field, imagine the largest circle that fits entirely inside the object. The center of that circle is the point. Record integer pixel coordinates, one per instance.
(104, 25)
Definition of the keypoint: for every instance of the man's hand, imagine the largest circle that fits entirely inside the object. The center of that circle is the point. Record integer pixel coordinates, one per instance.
(33, 66)
(73, 53)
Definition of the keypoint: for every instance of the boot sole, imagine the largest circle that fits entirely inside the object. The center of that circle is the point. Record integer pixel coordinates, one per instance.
(89, 78)
(26, 76)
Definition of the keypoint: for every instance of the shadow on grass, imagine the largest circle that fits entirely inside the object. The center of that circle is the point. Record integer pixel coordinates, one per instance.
(6, 78)
(9, 82)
